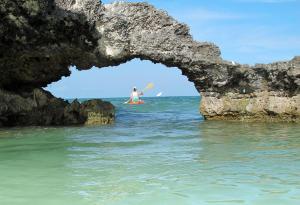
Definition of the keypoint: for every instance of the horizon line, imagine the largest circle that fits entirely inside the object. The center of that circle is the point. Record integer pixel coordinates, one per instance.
(71, 98)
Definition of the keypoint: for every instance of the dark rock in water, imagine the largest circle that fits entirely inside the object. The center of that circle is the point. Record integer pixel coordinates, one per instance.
(39, 107)
(40, 39)
(98, 112)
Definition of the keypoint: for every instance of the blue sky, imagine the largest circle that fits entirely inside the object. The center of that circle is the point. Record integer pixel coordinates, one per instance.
(247, 31)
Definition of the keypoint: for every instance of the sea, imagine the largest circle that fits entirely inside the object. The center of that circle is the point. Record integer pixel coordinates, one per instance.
(159, 153)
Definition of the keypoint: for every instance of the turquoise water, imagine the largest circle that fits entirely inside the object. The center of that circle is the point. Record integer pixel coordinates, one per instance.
(158, 153)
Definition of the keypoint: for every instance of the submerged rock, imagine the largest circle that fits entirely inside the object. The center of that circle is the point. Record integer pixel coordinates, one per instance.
(40, 39)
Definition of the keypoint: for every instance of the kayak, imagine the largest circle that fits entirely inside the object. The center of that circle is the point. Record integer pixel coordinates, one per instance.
(136, 103)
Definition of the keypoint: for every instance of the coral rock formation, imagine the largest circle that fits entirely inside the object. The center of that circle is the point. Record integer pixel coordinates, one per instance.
(40, 39)
(98, 112)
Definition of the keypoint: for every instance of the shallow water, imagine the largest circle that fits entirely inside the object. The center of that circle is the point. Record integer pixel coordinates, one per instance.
(158, 153)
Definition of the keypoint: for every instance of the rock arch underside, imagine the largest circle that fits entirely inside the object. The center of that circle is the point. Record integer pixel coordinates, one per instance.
(40, 39)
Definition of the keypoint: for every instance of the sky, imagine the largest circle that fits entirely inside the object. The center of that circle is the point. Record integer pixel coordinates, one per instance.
(247, 31)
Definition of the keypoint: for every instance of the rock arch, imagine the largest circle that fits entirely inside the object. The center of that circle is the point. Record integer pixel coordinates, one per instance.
(41, 39)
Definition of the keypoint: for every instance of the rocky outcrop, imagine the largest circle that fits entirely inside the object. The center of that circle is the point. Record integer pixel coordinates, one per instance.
(98, 112)
(39, 107)
(40, 39)
(260, 93)
(257, 106)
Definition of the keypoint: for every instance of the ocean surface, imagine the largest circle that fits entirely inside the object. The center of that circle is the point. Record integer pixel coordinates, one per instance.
(159, 153)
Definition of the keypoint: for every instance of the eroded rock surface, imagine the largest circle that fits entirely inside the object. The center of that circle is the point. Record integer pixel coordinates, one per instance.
(98, 112)
(40, 39)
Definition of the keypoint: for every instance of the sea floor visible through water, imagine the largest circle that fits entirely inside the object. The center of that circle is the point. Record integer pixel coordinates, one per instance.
(162, 152)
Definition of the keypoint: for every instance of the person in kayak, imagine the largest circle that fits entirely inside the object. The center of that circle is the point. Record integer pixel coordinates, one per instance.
(135, 96)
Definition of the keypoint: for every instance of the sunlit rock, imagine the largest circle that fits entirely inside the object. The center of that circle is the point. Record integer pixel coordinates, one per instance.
(98, 112)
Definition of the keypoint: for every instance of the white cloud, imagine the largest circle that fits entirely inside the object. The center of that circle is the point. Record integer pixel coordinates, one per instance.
(248, 43)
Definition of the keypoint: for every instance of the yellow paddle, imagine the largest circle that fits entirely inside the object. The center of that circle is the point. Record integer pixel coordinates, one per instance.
(148, 87)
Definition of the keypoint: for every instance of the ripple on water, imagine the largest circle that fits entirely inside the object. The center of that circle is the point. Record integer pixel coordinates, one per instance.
(159, 153)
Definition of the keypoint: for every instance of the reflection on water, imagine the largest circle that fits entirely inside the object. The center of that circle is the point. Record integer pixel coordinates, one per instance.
(160, 153)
